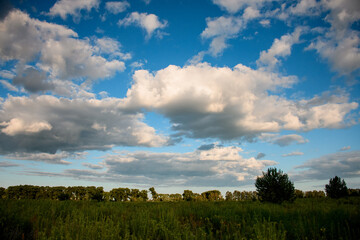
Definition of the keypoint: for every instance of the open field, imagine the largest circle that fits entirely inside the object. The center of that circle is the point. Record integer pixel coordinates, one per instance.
(304, 219)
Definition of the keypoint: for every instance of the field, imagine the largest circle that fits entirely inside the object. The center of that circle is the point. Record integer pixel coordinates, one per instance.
(304, 219)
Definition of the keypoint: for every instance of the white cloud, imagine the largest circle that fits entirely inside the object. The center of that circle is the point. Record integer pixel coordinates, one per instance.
(117, 7)
(22, 37)
(219, 166)
(233, 6)
(60, 54)
(6, 74)
(49, 124)
(111, 46)
(18, 126)
(63, 8)
(280, 48)
(343, 55)
(220, 30)
(340, 45)
(293, 154)
(343, 164)
(250, 13)
(306, 7)
(202, 101)
(284, 140)
(265, 22)
(149, 22)
(9, 86)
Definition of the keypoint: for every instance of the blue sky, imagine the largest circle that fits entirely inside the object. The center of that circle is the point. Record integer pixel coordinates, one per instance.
(179, 94)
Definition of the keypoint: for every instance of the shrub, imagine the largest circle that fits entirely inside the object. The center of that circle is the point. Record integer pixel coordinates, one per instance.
(275, 186)
(336, 188)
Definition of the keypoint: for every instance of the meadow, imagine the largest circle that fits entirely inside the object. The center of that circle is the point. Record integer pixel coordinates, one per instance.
(307, 218)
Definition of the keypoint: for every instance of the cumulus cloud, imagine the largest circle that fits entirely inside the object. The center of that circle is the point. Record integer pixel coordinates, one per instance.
(60, 54)
(293, 154)
(49, 124)
(149, 22)
(220, 166)
(221, 29)
(111, 46)
(117, 7)
(63, 8)
(33, 80)
(340, 44)
(280, 48)
(202, 101)
(284, 140)
(343, 164)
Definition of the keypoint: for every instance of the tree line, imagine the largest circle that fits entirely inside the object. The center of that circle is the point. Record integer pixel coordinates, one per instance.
(274, 186)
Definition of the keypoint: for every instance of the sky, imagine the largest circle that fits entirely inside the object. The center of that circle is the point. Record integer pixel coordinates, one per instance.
(197, 95)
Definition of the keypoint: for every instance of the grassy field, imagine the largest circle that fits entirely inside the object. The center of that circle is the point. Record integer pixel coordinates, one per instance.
(303, 219)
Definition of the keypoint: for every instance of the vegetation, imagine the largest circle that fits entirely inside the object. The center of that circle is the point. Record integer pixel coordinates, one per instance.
(318, 218)
(336, 188)
(33, 212)
(275, 186)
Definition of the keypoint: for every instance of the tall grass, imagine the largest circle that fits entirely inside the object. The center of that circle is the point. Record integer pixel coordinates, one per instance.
(303, 219)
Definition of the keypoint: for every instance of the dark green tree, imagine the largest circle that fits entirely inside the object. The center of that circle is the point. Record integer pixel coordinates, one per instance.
(275, 186)
(336, 188)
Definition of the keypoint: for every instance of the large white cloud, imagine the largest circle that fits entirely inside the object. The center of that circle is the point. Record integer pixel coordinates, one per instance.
(59, 54)
(49, 124)
(202, 101)
(63, 8)
(149, 22)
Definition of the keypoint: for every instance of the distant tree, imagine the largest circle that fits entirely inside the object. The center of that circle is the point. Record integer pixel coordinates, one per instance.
(175, 197)
(2, 192)
(336, 188)
(314, 194)
(228, 196)
(275, 186)
(144, 195)
(213, 195)
(353, 192)
(299, 193)
(188, 195)
(237, 195)
(154, 194)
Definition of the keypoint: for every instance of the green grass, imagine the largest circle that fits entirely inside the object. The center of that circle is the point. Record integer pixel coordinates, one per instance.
(303, 219)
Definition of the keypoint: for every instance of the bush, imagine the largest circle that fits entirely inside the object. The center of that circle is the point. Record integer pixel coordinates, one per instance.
(275, 186)
(336, 188)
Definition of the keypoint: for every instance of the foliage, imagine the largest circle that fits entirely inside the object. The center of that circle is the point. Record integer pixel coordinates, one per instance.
(314, 194)
(336, 188)
(275, 186)
(322, 218)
